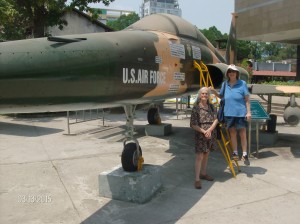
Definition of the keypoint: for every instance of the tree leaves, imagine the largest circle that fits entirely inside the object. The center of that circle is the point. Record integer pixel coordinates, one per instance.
(123, 21)
(20, 19)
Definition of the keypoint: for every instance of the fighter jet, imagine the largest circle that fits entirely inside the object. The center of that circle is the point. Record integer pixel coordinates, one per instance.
(151, 60)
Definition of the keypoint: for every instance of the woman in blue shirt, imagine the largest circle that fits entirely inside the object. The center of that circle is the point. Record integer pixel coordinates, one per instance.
(237, 110)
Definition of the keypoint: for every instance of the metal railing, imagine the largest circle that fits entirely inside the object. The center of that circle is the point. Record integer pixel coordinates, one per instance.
(80, 116)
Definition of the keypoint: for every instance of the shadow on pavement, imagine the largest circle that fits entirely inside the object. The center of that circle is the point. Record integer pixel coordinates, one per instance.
(291, 140)
(178, 195)
(26, 130)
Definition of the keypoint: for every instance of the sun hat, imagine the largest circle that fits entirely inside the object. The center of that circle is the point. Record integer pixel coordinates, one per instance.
(234, 68)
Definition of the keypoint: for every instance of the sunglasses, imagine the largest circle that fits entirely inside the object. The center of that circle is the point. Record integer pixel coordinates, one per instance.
(230, 70)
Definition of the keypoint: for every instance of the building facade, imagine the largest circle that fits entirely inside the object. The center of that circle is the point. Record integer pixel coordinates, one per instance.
(149, 7)
(78, 23)
(268, 20)
(270, 71)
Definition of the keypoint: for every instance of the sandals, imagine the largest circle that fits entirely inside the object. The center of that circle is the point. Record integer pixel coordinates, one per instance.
(203, 177)
(198, 184)
(206, 177)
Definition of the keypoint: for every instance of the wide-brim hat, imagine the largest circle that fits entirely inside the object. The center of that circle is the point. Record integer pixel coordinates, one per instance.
(234, 68)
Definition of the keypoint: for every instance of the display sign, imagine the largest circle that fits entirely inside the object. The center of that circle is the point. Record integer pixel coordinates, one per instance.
(257, 111)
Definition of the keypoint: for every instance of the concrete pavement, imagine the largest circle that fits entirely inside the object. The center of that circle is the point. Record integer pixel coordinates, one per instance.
(49, 177)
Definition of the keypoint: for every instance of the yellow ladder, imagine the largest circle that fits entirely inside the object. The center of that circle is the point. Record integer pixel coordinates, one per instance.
(204, 74)
(226, 147)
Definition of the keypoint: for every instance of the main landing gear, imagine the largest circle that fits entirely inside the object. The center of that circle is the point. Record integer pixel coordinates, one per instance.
(131, 158)
(153, 116)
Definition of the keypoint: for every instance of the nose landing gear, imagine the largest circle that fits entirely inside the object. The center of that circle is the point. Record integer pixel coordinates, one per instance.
(131, 158)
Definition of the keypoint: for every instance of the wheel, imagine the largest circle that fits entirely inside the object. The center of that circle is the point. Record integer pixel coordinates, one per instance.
(129, 157)
(291, 115)
(153, 116)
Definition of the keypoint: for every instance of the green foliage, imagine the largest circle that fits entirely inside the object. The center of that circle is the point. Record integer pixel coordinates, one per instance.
(213, 34)
(11, 22)
(245, 64)
(244, 49)
(255, 51)
(258, 51)
(123, 21)
(22, 18)
(82, 5)
(287, 51)
(272, 51)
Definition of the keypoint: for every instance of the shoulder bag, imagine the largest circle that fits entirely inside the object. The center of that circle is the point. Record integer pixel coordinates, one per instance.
(221, 117)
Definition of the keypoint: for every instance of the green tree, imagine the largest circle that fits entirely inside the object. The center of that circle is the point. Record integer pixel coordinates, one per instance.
(123, 21)
(21, 18)
(287, 51)
(253, 49)
(243, 49)
(212, 34)
(11, 22)
(270, 50)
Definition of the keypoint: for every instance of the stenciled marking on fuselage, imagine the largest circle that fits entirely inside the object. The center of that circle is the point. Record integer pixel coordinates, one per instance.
(143, 76)
(173, 88)
(177, 50)
(196, 52)
(179, 76)
(158, 59)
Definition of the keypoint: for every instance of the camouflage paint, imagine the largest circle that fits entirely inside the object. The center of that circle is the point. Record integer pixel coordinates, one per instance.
(136, 65)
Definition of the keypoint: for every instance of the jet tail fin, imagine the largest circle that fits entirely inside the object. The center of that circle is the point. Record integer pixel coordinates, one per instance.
(230, 55)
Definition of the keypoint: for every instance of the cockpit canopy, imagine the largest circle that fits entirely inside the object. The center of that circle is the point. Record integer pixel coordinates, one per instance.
(169, 24)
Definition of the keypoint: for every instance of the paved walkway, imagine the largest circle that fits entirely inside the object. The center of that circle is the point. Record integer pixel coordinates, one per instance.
(49, 177)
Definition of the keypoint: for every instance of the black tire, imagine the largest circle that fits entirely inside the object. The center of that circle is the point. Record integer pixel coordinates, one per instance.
(129, 158)
(152, 115)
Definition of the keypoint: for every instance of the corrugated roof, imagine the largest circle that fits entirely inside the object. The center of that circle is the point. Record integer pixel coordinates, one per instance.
(105, 27)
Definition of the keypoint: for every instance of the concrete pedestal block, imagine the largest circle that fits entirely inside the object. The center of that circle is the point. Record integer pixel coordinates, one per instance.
(138, 187)
(158, 130)
(265, 138)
